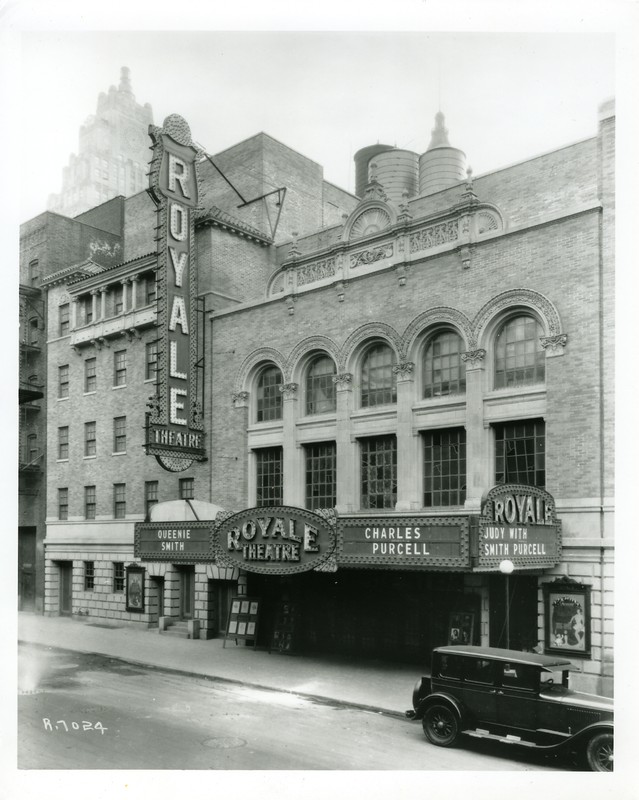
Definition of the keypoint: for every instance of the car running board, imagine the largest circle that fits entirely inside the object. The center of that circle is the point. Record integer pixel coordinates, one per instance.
(479, 733)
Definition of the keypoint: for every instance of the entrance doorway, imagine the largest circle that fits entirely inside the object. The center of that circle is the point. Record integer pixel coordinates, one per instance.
(187, 592)
(66, 588)
(26, 568)
(156, 599)
(517, 629)
(224, 593)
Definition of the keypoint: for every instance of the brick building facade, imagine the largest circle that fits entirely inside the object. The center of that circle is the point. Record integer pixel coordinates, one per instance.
(398, 357)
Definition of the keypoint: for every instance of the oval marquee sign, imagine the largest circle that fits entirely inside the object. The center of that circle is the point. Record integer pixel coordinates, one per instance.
(278, 540)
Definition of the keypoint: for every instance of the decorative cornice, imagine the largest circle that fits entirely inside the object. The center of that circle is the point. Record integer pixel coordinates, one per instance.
(366, 257)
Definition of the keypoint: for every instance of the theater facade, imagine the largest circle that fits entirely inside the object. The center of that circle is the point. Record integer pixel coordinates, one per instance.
(366, 424)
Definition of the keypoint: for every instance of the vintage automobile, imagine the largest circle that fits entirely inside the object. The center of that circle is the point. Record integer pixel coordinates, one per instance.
(521, 699)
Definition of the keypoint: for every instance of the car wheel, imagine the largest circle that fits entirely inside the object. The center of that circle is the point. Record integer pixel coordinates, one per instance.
(599, 753)
(441, 725)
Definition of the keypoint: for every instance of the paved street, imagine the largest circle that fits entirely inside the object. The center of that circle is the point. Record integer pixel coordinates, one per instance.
(85, 711)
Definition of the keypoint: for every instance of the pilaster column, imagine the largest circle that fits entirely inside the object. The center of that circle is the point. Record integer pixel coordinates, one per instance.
(134, 291)
(74, 313)
(292, 488)
(347, 499)
(94, 303)
(478, 466)
(408, 491)
(125, 283)
(103, 296)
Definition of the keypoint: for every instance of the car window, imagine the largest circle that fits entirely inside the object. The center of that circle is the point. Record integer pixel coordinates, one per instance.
(450, 667)
(479, 670)
(520, 676)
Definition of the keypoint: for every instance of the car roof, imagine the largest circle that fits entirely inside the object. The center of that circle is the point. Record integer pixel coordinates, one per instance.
(513, 656)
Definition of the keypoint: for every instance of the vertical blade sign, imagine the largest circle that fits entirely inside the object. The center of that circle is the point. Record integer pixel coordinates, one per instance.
(174, 428)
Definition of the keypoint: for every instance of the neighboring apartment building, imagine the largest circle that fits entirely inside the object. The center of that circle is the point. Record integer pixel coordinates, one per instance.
(113, 152)
(427, 367)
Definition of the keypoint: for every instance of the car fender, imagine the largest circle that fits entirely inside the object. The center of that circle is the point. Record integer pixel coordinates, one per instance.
(601, 726)
(441, 697)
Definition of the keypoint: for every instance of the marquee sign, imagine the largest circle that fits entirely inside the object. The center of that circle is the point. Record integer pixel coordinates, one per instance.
(518, 523)
(277, 540)
(184, 541)
(174, 433)
(404, 542)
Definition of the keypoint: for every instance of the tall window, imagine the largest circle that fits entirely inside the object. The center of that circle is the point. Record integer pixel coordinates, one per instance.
(269, 397)
(87, 309)
(89, 576)
(187, 490)
(379, 472)
(444, 371)
(64, 322)
(320, 387)
(320, 475)
(89, 502)
(119, 435)
(150, 289)
(150, 495)
(379, 385)
(89, 438)
(63, 503)
(119, 368)
(118, 576)
(63, 442)
(519, 356)
(520, 453)
(269, 477)
(151, 363)
(32, 451)
(90, 377)
(445, 467)
(118, 299)
(119, 500)
(34, 272)
(34, 332)
(63, 381)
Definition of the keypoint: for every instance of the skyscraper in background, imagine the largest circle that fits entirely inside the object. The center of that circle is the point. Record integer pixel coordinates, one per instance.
(113, 152)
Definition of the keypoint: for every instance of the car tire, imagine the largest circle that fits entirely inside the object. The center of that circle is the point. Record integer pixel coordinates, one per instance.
(599, 753)
(441, 725)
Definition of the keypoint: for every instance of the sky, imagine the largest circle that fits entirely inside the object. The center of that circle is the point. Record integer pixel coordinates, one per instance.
(505, 96)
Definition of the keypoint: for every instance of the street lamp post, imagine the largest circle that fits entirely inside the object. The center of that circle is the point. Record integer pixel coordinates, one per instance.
(506, 567)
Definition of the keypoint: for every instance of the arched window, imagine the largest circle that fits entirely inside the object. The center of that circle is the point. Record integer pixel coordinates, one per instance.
(379, 385)
(444, 370)
(269, 397)
(320, 388)
(519, 356)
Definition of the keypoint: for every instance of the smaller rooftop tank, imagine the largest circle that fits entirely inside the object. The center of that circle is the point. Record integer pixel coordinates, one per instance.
(441, 165)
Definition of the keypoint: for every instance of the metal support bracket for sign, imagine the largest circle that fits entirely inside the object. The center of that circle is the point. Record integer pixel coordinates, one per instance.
(280, 192)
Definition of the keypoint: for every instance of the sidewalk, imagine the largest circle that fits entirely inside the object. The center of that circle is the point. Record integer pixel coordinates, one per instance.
(377, 685)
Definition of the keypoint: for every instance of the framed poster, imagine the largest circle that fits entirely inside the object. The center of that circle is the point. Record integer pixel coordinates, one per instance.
(134, 588)
(567, 623)
(461, 625)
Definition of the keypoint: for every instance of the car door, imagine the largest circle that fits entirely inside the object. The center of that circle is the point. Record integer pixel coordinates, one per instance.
(478, 691)
(517, 701)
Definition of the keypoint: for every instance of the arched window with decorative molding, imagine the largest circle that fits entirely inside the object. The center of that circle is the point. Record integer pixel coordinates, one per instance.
(379, 383)
(269, 397)
(444, 370)
(320, 387)
(519, 357)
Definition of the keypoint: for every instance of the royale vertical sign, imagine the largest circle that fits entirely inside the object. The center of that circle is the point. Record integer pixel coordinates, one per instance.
(175, 434)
